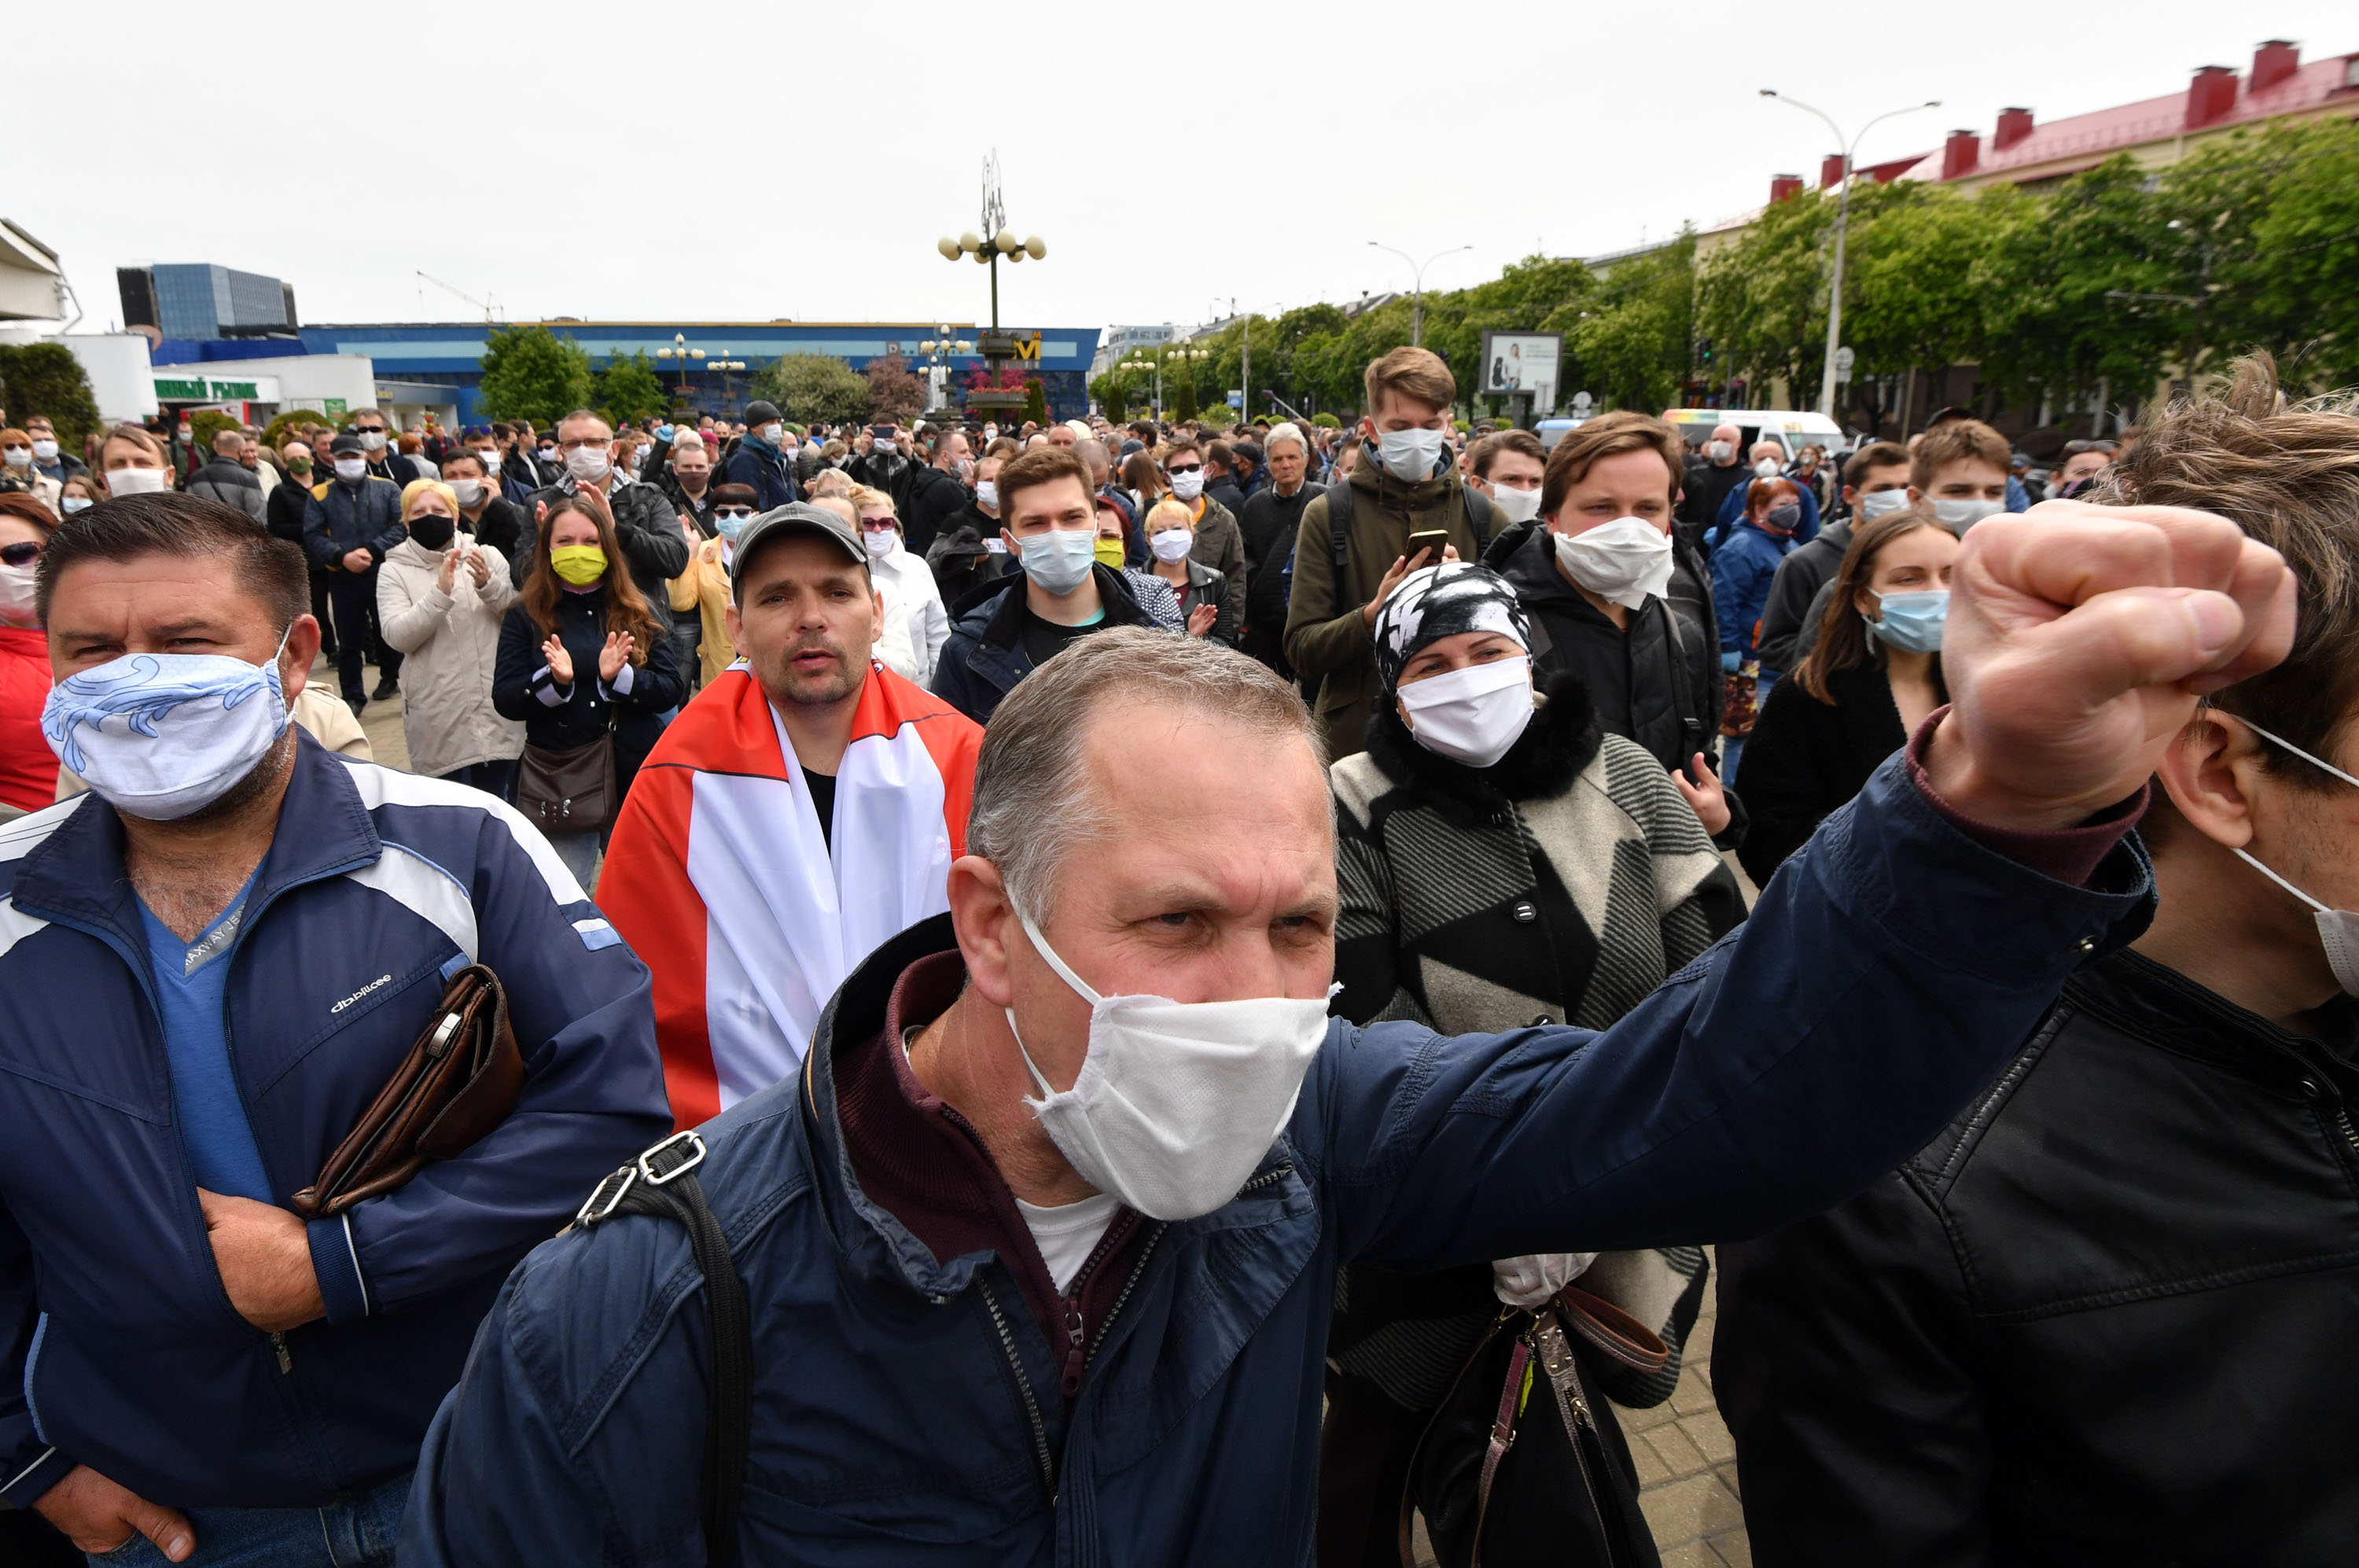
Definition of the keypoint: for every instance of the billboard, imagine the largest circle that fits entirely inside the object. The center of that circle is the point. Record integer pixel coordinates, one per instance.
(1522, 362)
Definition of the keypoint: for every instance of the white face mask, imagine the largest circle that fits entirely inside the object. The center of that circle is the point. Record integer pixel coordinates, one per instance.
(1472, 716)
(588, 464)
(468, 491)
(1719, 452)
(1188, 486)
(548, 454)
(1876, 502)
(1409, 456)
(1958, 516)
(1176, 1102)
(986, 495)
(886, 448)
(160, 736)
(16, 585)
(1517, 506)
(881, 542)
(1624, 562)
(73, 504)
(137, 482)
(351, 469)
(2338, 930)
(773, 434)
(1765, 469)
(372, 441)
(17, 456)
(45, 448)
(1171, 544)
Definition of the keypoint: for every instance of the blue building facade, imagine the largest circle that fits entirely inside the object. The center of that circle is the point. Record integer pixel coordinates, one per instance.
(450, 354)
(202, 301)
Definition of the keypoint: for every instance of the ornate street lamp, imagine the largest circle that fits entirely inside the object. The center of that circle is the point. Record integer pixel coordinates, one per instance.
(682, 354)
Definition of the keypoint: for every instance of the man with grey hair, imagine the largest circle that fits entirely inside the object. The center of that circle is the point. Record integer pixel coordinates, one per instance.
(1036, 1258)
(1709, 482)
(1270, 521)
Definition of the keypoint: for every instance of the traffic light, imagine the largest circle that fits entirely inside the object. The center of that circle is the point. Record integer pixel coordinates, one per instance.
(1703, 350)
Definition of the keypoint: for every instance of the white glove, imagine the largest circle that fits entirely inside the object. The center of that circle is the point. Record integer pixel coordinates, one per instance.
(1529, 1281)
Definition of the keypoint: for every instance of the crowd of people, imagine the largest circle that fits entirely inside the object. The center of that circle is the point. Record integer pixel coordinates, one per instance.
(1067, 985)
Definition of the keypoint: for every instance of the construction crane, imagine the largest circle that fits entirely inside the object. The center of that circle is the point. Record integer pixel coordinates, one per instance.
(490, 307)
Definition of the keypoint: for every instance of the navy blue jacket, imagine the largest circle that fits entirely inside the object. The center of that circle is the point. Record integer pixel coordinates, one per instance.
(906, 1408)
(340, 519)
(1732, 508)
(1742, 567)
(986, 656)
(118, 1346)
(770, 474)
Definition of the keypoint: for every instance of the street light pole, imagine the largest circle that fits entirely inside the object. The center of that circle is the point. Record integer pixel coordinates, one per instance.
(1842, 224)
(1417, 310)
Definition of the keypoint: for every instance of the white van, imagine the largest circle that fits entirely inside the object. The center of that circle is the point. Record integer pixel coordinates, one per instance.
(1789, 428)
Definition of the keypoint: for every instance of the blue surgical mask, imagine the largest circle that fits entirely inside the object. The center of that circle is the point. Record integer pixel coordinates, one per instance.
(1059, 559)
(1912, 622)
(729, 524)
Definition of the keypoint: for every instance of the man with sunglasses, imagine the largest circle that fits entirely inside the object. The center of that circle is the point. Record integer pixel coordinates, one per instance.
(376, 447)
(1220, 542)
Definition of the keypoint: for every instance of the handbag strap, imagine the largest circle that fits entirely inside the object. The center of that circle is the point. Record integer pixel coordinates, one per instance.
(1502, 1437)
(1407, 1538)
(1612, 1332)
(660, 1182)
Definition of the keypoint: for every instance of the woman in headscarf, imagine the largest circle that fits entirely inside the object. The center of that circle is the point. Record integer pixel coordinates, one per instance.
(1502, 862)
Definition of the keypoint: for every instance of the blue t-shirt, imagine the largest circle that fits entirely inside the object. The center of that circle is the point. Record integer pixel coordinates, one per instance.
(192, 979)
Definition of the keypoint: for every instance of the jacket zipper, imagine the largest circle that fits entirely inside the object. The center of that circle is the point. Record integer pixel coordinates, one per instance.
(1128, 1285)
(2342, 1121)
(1023, 1387)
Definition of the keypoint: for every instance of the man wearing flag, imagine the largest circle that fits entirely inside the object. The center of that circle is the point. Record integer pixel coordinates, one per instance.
(802, 810)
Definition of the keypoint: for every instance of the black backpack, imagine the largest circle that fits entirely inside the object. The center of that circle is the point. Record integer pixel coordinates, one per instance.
(1339, 520)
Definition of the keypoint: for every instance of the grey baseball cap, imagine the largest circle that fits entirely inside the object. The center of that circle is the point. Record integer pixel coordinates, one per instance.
(794, 517)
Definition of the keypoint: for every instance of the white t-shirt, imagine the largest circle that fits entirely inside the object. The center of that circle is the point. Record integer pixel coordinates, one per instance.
(1069, 1233)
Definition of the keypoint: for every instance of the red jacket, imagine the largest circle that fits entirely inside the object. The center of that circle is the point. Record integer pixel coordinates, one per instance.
(29, 768)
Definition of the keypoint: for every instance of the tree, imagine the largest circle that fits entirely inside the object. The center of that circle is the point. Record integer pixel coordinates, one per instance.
(812, 387)
(46, 378)
(893, 394)
(1182, 381)
(531, 374)
(1036, 401)
(628, 388)
(1631, 346)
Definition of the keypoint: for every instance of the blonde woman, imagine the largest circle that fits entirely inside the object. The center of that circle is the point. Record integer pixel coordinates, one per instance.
(929, 623)
(440, 600)
(1202, 593)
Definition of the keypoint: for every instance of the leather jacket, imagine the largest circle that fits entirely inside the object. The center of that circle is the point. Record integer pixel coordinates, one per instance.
(2110, 1315)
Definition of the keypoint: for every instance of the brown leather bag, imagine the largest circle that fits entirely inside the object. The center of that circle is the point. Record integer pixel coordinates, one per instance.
(457, 1083)
(567, 791)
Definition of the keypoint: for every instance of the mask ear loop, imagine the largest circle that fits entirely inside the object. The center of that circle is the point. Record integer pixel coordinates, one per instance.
(2315, 762)
(1049, 955)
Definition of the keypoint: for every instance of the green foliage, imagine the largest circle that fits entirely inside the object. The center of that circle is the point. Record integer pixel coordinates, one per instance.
(283, 429)
(629, 390)
(1179, 380)
(205, 424)
(531, 374)
(1326, 421)
(812, 387)
(1628, 345)
(1036, 401)
(1112, 395)
(46, 378)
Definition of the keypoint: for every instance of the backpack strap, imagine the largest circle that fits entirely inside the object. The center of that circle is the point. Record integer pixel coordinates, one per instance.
(1478, 518)
(659, 1183)
(1339, 521)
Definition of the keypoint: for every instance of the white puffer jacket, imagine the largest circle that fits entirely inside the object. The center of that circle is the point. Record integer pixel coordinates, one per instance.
(448, 643)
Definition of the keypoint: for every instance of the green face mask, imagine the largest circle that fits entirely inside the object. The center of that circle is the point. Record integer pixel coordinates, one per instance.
(580, 564)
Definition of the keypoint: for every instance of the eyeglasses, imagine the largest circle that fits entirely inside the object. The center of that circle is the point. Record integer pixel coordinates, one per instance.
(24, 553)
(587, 440)
(732, 511)
(1185, 468)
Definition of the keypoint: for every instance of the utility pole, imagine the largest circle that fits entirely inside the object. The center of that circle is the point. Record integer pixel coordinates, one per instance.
(1245, 370)
(1416, 309)
(1843, 223)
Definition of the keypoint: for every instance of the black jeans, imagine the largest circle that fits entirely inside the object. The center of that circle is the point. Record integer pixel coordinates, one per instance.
(352, 597)
(496, 777)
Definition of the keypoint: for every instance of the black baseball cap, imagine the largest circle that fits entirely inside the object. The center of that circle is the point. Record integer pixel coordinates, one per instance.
(794, 517)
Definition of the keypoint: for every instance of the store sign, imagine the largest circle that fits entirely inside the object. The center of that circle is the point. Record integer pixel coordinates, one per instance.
(201, 389)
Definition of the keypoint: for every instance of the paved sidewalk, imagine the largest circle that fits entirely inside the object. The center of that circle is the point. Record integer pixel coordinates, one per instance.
(1687, 1463)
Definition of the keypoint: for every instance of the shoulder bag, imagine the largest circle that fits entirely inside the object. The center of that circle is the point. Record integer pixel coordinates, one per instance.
(1522, 1463)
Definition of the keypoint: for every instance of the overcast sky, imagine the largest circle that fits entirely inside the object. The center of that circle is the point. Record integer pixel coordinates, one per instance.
(722, 163)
